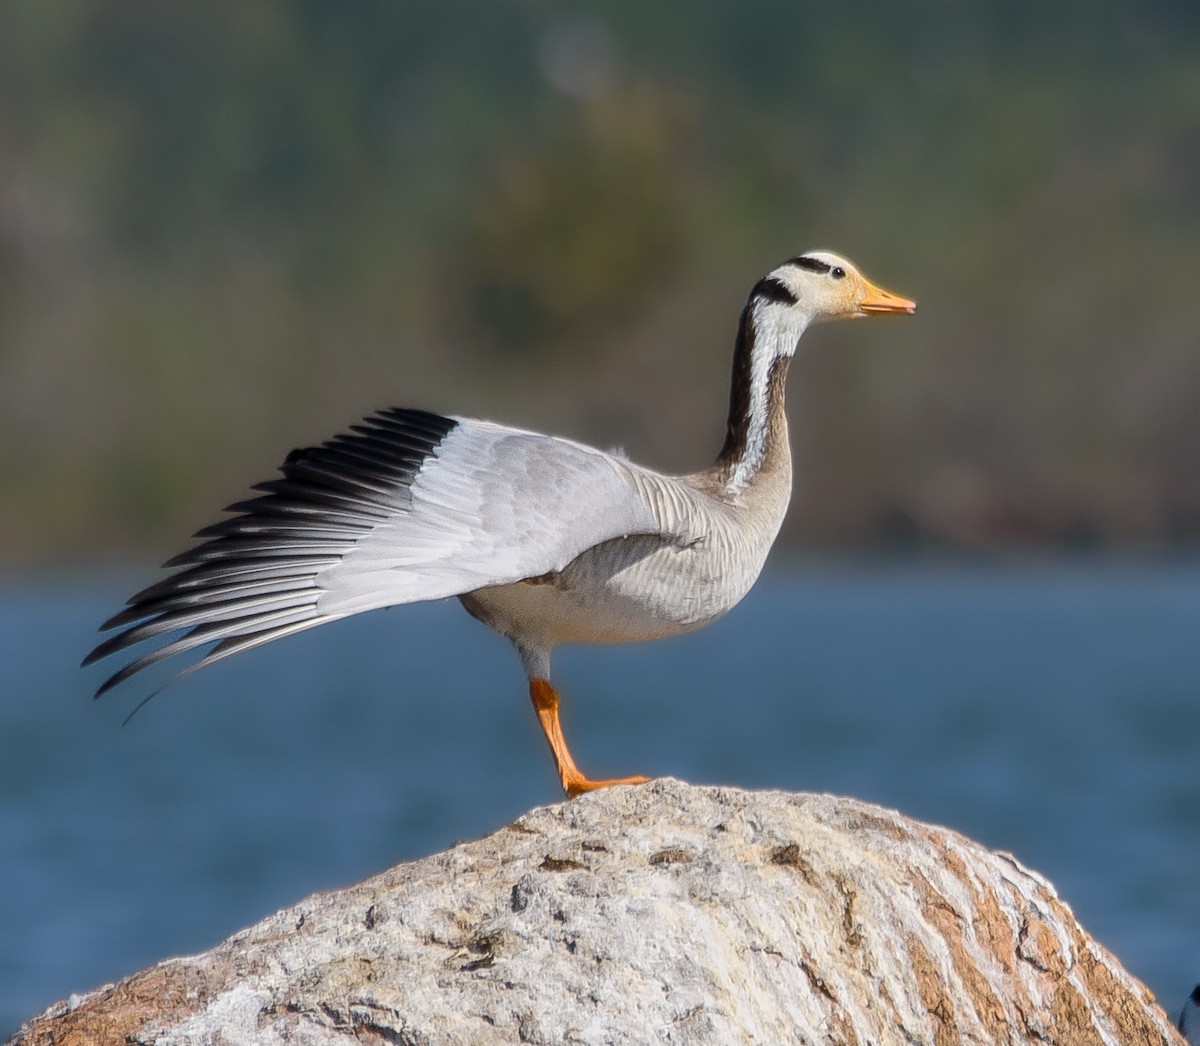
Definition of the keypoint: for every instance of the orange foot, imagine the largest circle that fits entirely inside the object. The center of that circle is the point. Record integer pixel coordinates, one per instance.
(576, 784)
(545, 702)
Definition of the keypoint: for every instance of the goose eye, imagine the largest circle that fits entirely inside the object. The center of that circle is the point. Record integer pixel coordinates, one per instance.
(837, 272)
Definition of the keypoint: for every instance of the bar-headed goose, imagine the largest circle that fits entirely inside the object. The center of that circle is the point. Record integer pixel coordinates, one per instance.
(546, 540)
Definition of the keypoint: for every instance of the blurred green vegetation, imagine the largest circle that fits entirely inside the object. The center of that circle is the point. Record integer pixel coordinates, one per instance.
(227, 229)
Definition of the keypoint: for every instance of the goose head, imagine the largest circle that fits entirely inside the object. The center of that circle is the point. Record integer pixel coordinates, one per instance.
(820, 285)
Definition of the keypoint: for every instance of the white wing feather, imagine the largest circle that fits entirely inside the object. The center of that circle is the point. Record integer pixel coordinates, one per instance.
(494, 506)
(407, 506)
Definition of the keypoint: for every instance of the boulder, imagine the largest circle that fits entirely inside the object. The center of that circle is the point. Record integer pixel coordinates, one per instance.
(660, 913)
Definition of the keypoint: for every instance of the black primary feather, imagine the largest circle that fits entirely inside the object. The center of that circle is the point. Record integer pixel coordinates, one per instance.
(252, 577)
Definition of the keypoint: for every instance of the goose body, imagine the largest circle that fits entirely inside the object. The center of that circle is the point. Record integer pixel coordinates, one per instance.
(544, 539)
(683, 557)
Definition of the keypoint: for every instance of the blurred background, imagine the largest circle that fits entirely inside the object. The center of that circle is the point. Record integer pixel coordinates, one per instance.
(229, 229)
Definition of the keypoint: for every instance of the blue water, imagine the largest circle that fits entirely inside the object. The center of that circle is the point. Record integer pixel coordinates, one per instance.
(1052, 713)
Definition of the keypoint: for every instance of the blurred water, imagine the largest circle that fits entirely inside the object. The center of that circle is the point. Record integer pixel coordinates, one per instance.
(1052, 713)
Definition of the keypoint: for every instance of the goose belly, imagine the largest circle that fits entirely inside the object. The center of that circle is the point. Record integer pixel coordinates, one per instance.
(632, 590)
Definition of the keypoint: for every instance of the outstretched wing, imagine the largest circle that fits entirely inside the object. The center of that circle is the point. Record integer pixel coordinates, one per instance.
(406, 506)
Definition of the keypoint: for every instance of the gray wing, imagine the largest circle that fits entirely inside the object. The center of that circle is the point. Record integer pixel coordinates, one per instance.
(406, 506)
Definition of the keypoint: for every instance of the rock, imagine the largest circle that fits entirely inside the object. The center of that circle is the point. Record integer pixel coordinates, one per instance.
(657, 913)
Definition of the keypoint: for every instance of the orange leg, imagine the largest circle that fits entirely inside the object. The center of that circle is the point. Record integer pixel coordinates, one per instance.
(545, 703)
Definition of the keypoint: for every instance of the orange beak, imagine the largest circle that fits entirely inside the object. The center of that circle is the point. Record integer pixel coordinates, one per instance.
(881, 301)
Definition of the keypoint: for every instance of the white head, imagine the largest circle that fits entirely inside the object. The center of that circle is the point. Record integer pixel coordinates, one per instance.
(820, 285)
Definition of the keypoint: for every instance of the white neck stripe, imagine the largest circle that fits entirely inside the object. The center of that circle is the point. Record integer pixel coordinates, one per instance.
(776, 331)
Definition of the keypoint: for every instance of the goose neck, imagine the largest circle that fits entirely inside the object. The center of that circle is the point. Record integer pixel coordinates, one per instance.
(756, 430)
